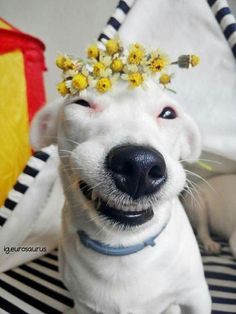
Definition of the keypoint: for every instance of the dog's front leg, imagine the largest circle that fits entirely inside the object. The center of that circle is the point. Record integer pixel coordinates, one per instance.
(198, 302)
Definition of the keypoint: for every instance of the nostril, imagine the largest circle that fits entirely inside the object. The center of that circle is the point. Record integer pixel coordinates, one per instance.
(125, 168)
(156, 172)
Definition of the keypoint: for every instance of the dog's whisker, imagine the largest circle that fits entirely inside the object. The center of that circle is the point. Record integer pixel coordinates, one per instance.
(67, 152)
(188, 191)
(191, 186)
(70, 185)
(194, 189)
(51, 137)
(199, 177)
(191, 191)
(73, 168)
(63, 156)
(88, 218)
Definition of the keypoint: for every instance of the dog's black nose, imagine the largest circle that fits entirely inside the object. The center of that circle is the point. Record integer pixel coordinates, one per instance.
(137, 170)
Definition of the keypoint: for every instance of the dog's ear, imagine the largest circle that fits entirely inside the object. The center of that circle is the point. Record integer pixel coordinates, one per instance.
(190, 144)
(43, 130)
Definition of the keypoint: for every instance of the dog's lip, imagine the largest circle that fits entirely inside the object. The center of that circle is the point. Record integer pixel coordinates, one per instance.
(115, 215)
(86, 190)
(125, 218)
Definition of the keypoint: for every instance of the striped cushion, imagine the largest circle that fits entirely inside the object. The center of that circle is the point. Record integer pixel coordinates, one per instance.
(34, 288)
(220, 9)
(116, 20)
(24, 181)
(37, 288)
(225, 18)
(220, 272)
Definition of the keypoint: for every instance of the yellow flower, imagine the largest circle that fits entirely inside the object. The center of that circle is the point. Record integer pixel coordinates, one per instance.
(103, 85)
(157, 65)
(98, 68)
(117, 65)
(135, 79)
(60, 61)
(195, 60)
(158, 61)
(80, 81)
(64, 63)
(93, 51)
(62, 88)
(68, 64)
(165, 79)
(137, 46)
(112, 46)
(136, 56)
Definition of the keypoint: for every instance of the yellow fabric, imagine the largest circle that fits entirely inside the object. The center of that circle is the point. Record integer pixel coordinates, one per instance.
(4, 25)
(14, 125)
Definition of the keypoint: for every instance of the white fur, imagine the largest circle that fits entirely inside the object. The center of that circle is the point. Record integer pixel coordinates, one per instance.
(149, 281)
(214, 209)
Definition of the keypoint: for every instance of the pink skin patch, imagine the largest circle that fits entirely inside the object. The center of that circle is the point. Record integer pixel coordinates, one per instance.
(96, 107)
(45, 122)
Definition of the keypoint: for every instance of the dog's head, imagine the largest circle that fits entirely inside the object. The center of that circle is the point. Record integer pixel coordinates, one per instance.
(120, 152)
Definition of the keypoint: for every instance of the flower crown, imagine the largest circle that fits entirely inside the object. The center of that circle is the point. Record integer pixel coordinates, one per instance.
(104, 66)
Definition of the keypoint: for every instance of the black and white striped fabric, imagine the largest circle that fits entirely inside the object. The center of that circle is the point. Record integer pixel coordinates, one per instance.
(116, 20)
(220, 272)
(220, 9)
(36, 287)
(24, 181)
(226, 20)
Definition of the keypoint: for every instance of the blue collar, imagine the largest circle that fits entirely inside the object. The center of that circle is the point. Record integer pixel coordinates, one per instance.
(116, 250)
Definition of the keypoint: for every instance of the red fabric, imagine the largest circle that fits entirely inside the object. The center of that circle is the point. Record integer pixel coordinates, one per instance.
(34, 67)
(32, 49)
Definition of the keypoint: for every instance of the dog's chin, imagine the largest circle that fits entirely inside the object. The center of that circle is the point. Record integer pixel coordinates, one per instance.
(118, 216)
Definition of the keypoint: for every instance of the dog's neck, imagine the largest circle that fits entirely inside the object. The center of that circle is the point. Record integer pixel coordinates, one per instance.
(115, 237)
(109, 250)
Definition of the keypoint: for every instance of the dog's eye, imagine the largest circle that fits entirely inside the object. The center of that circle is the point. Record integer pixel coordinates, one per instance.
(82, 102)
(168, 113)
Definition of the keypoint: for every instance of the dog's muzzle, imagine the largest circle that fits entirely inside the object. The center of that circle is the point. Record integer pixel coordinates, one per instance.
(121, 217)
(136, 170)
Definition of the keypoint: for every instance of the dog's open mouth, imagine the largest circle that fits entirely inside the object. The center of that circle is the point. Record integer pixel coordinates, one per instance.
(125, 218)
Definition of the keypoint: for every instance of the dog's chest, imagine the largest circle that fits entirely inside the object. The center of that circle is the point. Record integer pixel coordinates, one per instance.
(135, 290)
(142, 283)
(137, 284)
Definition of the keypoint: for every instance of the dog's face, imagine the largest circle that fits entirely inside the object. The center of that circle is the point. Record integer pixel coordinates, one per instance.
(120, 152)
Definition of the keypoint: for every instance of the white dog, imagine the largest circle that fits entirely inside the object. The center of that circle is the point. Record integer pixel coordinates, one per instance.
(127, 246)
(214, 209)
